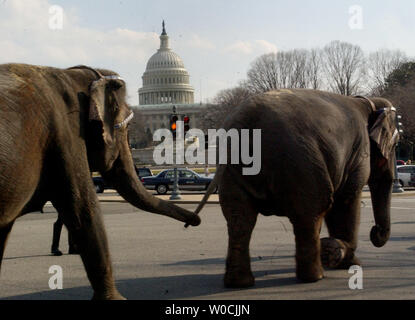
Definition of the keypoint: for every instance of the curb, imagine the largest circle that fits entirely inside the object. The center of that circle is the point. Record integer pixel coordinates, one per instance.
(365, 196)
(402, 194)
(172, 201)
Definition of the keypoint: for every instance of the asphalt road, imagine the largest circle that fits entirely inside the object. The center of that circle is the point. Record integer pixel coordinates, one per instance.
(154, 257)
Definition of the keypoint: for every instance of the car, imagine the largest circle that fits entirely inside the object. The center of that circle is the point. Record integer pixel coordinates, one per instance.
(143, 172)
(188, 180)
(400, 162)
(101, 185)
(406, 175)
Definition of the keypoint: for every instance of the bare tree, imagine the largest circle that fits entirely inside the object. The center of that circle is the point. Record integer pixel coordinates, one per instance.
(344, 67)
(314, 69)
(232, 97)
(298, 60)
(224, 103)
(263, 74)
(380, 65)
(297, 68)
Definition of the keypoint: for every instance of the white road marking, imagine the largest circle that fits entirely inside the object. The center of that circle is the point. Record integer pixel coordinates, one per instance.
(399, 208)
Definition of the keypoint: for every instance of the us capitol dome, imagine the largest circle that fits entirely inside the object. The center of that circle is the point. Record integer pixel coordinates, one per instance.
(165, 80)
(166, 86)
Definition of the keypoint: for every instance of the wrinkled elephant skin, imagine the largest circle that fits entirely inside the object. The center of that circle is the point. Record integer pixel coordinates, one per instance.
(56, 126)
(318, 150)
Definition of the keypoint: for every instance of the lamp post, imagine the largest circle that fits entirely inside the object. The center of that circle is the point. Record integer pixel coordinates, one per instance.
(397, 187)
(175, 194)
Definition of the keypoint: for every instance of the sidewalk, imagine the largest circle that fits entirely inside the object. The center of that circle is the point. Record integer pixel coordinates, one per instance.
(214, 198)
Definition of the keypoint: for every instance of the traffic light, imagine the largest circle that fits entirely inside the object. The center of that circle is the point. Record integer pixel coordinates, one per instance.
(186, 121)
(173, 124)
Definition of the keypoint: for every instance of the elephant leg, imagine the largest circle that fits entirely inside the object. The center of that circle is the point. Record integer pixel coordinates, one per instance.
(4, 234)
(78, 207)
(338, 251)
(73, 248)
(241, 219)
(57, 229)
(87, 229)
(307, 240)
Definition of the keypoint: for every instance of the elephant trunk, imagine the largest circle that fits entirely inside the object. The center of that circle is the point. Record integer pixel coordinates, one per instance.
(381, 197)
(125, 180)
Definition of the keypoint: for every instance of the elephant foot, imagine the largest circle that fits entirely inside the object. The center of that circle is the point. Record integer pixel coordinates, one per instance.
(333, 252)
(336, 255)
(113, 295)
(73, 251)
(239, 280)
(310, 275)
(347, 263)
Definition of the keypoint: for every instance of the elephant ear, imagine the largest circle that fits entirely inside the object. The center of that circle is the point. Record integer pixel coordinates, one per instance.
(102, 107)
(383, 132)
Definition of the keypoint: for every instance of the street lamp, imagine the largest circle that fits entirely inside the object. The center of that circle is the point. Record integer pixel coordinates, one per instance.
(397, 187)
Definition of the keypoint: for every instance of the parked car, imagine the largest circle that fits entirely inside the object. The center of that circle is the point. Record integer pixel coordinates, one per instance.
(143, 172)
(188, 180)
(101, 185)
(400, 162)
(406, 175)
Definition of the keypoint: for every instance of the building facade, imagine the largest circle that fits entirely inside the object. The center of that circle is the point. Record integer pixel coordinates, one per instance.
(166, 83)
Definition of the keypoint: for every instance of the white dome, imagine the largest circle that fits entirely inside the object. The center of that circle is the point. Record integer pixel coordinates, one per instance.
(165, 80)
(164, 59)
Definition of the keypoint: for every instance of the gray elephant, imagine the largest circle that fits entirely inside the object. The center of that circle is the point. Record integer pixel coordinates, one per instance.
(56, 126)
(318, 151)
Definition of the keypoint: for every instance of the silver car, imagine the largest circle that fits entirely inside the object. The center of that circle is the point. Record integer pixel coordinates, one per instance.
(405, 174)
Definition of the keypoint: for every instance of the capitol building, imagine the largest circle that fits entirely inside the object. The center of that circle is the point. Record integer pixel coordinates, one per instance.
(166, 84)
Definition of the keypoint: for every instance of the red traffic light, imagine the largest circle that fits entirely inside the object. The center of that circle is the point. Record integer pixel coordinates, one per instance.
(186, 120)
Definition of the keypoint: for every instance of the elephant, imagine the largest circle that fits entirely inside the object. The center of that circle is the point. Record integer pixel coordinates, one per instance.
(56, 127)
(318, 151)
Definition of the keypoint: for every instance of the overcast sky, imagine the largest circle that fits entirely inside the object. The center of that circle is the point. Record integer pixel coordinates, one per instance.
(217, 39)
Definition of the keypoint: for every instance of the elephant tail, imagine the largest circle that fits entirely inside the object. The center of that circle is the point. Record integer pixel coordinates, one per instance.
(210, 189)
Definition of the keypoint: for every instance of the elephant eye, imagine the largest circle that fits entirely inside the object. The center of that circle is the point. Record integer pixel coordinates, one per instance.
(114, 102)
